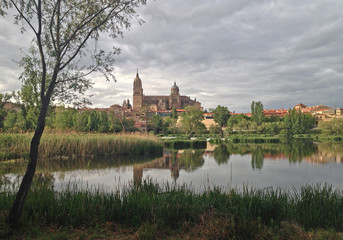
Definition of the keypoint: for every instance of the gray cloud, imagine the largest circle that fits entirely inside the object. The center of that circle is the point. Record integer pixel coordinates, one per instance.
(222, 52)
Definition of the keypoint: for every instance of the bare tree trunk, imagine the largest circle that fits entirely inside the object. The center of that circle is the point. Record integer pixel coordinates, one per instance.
(18, 205)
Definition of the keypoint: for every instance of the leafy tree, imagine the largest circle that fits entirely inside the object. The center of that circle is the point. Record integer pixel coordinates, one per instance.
(129, 125)
(335, 126)
(191, 120)
(155, 124)
(257, 112)
(3, 99)
(103, 123)
(61, 31)
(65, 118)
(221, 115)
(214, 129)
(169, 125)
(81, 119)
(115, 125)
(174, 113)
(10, 120)
(243, 125)
(273, 119)
(92, 124)
(296, 122)
(235, 119)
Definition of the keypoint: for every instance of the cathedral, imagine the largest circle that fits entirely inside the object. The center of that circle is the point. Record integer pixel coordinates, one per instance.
(161, 103)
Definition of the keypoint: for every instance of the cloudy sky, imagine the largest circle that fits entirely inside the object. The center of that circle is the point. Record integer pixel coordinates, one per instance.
(223, 52)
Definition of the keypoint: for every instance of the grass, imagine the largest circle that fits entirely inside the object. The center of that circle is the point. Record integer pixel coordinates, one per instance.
(165, 207)
(76, 145)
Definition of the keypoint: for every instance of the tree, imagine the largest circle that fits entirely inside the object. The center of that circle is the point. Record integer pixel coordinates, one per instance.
(155, 124)
(335, 126)
(221, 115)
(61, 31)
(191, 120)
(169, 125)
(257, 112)
(174, 113)
(3, 99)
(103, 124)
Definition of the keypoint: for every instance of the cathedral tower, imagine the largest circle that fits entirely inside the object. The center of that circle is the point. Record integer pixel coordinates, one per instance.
(137, 92)
(174, 99)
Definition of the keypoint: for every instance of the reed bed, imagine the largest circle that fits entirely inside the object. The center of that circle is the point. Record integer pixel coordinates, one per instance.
(74, 145)
(171, 206)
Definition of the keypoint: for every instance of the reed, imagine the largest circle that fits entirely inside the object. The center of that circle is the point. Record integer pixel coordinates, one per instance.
(75, 145)
(170, 206)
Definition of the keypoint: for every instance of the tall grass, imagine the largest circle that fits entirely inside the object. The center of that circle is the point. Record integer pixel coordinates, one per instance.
(170, 206)
(74, 145)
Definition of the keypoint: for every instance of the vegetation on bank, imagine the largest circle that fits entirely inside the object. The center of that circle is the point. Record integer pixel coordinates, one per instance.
(182, 144)
(159, 209)
(77, 145)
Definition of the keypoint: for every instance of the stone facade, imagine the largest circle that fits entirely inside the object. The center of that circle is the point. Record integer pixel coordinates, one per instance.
(161, 103)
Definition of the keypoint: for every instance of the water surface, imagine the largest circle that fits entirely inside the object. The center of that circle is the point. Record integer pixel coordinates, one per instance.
(285, 166)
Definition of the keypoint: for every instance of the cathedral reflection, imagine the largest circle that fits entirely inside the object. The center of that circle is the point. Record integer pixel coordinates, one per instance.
(173, 160)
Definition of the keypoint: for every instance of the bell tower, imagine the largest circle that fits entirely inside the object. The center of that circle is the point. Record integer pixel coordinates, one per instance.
(174, 99)
(137, 92)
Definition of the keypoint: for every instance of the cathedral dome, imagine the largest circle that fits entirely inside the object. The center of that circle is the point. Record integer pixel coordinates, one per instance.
(137, 83)
(174, 89)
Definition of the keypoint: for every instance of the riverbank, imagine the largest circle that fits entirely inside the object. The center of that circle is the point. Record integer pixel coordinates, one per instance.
(153, 211)
(78, 145)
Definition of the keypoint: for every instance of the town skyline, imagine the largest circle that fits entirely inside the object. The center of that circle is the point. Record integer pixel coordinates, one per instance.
(226, 53)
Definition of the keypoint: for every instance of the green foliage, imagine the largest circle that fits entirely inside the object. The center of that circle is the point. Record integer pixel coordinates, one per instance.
(155, 124)
(10, 121)
(170, 125)
(257, 158)
(214, 129)
(3, 99)
(192, 159)
(221, 115)
(235, 119)
(335, 126)
(76, 146)
(297, 122)
(183, 144)
(221, 154)
(257, 112)
(65, 118)
(171, 206)
(191, 121)
(174, 113)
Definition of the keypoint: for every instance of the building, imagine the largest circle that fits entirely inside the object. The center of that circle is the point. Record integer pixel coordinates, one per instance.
(161, 103)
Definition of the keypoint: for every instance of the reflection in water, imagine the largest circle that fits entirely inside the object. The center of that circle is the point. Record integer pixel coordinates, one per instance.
(221, 154)
(294, 152)
(261, 165)
(174, 160)
(257, 157)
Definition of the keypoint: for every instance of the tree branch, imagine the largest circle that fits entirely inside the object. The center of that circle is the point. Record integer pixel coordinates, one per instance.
(109, 15)
(22, 15)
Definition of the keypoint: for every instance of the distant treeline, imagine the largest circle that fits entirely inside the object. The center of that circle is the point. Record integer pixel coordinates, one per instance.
(15, 120)
(24, 117)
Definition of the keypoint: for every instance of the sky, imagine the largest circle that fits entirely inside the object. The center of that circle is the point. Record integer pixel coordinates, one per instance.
(223, 52)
